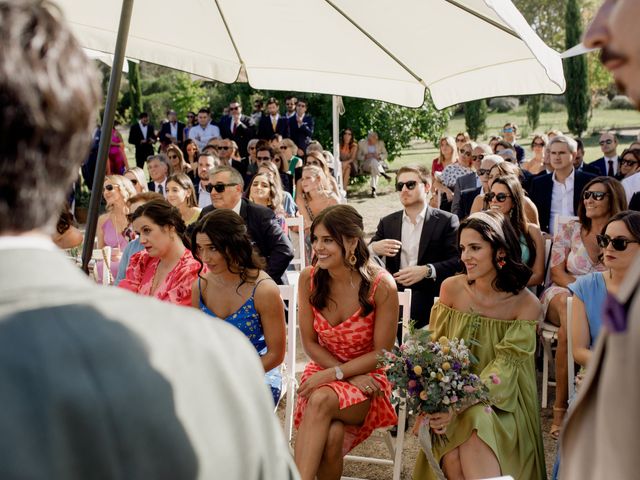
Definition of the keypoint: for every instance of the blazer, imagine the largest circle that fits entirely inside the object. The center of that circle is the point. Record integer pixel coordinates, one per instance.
(115, 382)
(245, 132)
(363, 149)
(143, 150)
(464, 182)
(267, 236)
(590, 168)
(466, 202)
(600, 433)
(438, 247)
(301, 135)
(266, 131)
(165, 130)
(541, 191)
(634, 204)
(603, 167)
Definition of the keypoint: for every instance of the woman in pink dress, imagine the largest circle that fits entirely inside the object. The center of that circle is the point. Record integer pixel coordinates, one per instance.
(117, 157)
(348, 315)
(165, 269)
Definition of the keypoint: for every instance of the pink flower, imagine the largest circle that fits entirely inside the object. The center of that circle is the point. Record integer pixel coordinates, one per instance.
(494, 379)
(488, 409)
(468, 389)
(412, 383)
(454, 399)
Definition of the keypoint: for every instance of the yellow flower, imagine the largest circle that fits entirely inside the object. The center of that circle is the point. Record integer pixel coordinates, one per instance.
(445, 350)
(423, 395)
(446, 366)
(444, 341)
(417, 370)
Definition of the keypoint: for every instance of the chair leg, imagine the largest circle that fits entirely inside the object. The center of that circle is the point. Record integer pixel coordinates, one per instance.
(546, 358)
(397, 458)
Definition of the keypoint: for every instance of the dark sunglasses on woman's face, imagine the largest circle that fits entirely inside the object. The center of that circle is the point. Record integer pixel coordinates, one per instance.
(483, 171)
(477, 158)
(134, 181)
(411, 184)
(619, 244)
(599, 196)
(219, 187)
(629, 163)
(110, 187)
(500, 197)
(173, 156)
(466, 153)
(538, 144)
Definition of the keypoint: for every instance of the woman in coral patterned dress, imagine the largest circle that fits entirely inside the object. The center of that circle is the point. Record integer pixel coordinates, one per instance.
(165, 269)
(348, 313)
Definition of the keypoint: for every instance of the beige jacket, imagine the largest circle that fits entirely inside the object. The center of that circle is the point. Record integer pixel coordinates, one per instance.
(600, 435)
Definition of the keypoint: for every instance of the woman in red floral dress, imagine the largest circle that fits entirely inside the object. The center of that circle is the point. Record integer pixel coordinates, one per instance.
(348, 313)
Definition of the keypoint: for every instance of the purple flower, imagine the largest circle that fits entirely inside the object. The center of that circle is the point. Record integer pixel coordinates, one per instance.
(615, 316)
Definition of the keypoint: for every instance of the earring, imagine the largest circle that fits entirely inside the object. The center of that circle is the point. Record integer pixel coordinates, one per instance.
(353, 259)
(501, 263)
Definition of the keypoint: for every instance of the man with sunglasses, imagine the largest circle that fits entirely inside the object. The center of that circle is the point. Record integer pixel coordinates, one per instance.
(418, 243)
(560, 192)
(470, 180)
(238, 127)
(228, 155)
(509, 134)
(601, 432)
(226, 187)
(609, 163)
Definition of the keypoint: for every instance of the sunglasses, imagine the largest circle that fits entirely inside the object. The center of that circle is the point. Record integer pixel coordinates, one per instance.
(629, 163)
(263, 158)
(458, 140)
(110, 187)
(283, 148)
(500, 197)
(619, 244)
(606, 142)
(475, 158)
(231, 109)
(483, 171)
(599, 196)
(538, 144)
(219, 187)
(224, 148)
(507, 130)
(173, 156)
(134, 181)
(411, 184)
(466, 153)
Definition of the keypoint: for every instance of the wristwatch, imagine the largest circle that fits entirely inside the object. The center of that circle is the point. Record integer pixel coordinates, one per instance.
(429, 272)
(339, 373)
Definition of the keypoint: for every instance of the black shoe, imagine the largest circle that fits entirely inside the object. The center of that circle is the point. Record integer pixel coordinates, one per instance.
(373, 193)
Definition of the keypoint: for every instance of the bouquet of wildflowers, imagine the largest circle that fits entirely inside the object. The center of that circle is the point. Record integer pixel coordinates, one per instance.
(434, 376)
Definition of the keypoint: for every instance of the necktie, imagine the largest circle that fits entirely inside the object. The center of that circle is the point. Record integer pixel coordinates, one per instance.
(233, 129)
(160, 190)
(610, 171)
(273, 123)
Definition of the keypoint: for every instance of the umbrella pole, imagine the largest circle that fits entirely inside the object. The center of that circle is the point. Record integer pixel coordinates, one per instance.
(105, 133)
(335, 123)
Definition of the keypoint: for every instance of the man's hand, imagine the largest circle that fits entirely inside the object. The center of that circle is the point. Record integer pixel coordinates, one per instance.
(410, 275)
(387, 247)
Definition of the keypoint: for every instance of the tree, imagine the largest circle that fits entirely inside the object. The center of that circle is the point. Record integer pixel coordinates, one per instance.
(475, 118)
(546, 19)
(187, 95)
(577, 94)
(135, 91)
(534, 105)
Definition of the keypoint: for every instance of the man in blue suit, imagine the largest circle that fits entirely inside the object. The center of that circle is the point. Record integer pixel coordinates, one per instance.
(273, 123)
(301, 127)
(609, 163)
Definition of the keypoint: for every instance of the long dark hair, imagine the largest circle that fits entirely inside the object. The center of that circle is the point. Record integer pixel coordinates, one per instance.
(517, 216)
(343, 221)
(228, 234)
(353, 140)
(163, 214)
(514, 275)
(616, 195)
(631, 220)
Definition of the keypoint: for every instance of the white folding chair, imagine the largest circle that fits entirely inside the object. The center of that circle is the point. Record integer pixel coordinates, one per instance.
(102, 255)
(299, 260)
(570, 362)
(289, 383)
(394, 446)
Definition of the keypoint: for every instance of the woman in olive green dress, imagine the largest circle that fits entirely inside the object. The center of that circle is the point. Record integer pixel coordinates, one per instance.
(490, 304)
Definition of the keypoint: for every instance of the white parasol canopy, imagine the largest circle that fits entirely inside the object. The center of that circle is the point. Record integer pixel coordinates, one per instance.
(378, 49)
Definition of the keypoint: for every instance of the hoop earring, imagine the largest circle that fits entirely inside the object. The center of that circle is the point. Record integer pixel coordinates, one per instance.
(353, 259)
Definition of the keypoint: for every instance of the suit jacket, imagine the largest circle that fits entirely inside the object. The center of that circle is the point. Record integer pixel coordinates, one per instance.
(143, 150)
(110, 382)
(600, 432)
(266, 131)
(634, 204)
(244, 132)
(464, 182)
(438, 247)
(165, 130)
(301, 135)
(268, 237)
(542, 188)
(466, 202)
(603, 167)
(590, 168)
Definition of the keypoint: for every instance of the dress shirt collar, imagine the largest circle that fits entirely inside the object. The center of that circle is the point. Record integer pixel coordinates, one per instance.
(568, 181)
(419, 218)
(237, 206)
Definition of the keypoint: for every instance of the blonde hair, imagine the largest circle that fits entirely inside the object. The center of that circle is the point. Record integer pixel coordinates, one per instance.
(127, 190)
(139, 174)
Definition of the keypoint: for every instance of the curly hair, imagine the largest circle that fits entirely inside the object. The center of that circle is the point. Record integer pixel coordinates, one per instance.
(343, 221)
(495, 229)
(227, 232)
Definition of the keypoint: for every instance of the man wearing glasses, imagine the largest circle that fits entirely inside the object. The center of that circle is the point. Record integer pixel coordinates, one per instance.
(418, 244)
(238, 127)
(226, 187)
(609, 163)
(509, 134)
(470, 181)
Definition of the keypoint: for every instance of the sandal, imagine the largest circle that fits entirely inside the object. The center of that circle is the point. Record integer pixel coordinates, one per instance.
(555, 430)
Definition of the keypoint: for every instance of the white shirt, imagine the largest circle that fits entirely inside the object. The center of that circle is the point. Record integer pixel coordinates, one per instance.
(204, 197)
(561, 198)
(202, 135)
(237, 206)
(410, 236)
(31, 242)
(615, 161)
(144, 130)
(173, 127)
(631, 185)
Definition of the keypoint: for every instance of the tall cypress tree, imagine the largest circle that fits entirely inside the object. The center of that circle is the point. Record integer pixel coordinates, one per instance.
(475, 118)
(577, 94)
(135, 92)
(534, 105)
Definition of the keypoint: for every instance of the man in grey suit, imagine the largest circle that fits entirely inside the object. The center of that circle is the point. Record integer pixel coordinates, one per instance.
(96, 382)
